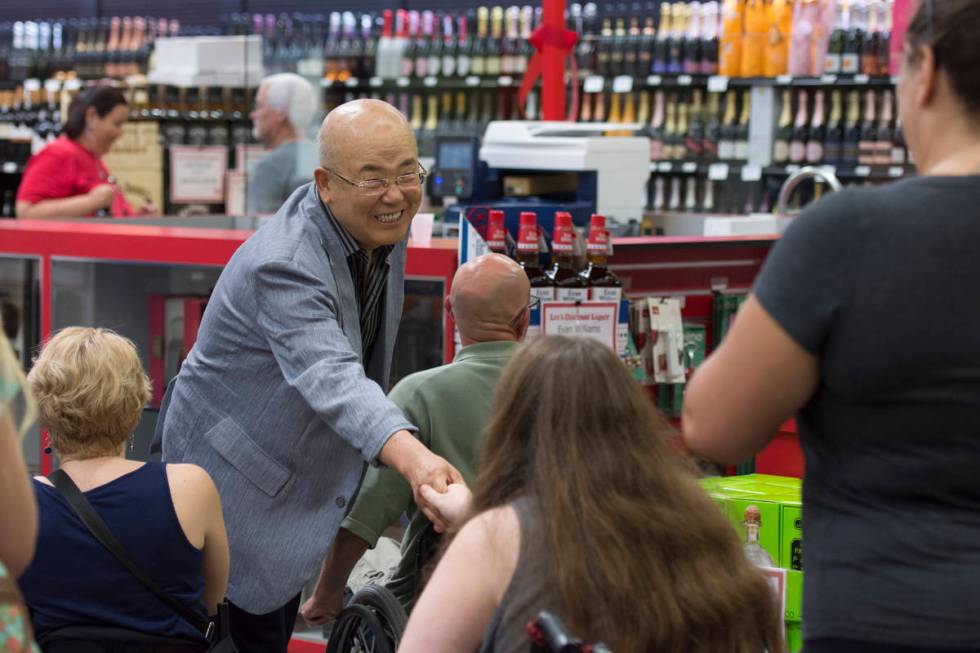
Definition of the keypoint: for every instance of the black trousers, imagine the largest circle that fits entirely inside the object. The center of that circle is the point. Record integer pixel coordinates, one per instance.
(854, 646)
(263, 633)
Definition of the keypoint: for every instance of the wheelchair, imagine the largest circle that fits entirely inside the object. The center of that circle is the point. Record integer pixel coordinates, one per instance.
(373, 621)
(548, 635)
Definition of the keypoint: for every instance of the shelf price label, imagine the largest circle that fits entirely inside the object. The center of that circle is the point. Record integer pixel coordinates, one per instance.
(375, 82)
(784, 80)
(718, 172)
(862, 171)
(862, 79)
(684, 80)
(505, 80)
(717, 84)
(593, 84)
(654, 80)
(828, 79)
(665, 166)
(472, 80)
(402, 82)
(752, 172)
(429, 81)
(896, 171)
(352, 82)
(9, 167)
(622, 84)
(689, 166)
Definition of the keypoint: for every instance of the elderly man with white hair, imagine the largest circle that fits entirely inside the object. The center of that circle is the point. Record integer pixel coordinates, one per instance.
(285, 106)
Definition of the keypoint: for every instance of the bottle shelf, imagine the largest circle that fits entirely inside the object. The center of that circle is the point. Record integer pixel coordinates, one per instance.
(723, 171)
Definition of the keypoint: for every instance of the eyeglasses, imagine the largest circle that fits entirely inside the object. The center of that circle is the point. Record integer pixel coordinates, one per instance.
(410, 181)
(534, 303)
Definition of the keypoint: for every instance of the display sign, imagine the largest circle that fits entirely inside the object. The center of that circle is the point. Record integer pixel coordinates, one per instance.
(247, 156)
(235, 181)
(595, 320)
(197, 174)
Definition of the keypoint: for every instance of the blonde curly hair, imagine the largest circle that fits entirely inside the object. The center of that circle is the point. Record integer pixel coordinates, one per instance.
(90, 389)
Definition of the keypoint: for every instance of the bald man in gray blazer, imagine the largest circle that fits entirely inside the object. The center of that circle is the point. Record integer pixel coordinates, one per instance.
(282, 399)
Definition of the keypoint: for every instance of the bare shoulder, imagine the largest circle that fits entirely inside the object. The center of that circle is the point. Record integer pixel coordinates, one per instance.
(185, 478)
(492, 538)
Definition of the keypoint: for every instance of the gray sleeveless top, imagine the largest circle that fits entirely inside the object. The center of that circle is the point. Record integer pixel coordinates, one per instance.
(526, 595)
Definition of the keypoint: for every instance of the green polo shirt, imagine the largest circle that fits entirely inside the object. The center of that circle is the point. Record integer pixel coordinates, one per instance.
(450, 405)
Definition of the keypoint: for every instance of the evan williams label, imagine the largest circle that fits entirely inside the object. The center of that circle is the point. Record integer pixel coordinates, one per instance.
(527, 239)
(496, 237)
(563, 239)
(598, 241)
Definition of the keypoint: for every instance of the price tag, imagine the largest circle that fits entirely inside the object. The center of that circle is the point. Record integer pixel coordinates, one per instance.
(505, 80)
(792, 169)
(402, 82)
(828, 79)
(654, 80)
(593, 84)
(472, 80)
(352, 82)
(665, 166)
(32, 84)
(689, 166)
(73, 84)
(831, 170)
(429, 81)
(751, 172)
(52, 85)
(375, 82)
(894, 80)
(684, 80)
(717, 84)
(622, 84)
(783, 80)
(718, 172)
(9, 167)
(862, 171)
(896, 171)
(861, 79)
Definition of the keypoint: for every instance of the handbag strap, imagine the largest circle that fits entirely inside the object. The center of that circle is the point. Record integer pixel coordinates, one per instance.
(84, 510)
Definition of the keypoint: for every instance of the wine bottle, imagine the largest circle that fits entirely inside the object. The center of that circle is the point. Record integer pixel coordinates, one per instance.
(742, 132)
(898, 150)
(672, 142)
(726, 142)
(569, 285)
(709, 38)
(493, 43)
(661, 51)
(835, 48)
(884, 40)
(780, 148)
(818, 132)
(478, 56)
(657, 148)
(600, 107)
(834, 140)
(615, 108)
(604, 49)
(674, 203)
(883, 147)
(708, 203)
(852, 130)
(691, 194)
(588, 49)
(643, 108)
(524, 48)
(798, 138)
(585, 114)
(694, 137)
(645, 47)
(692, 39)
(868, 141)
(872, 43)
(850, 63)
(449, 48)
(712, 128)
(617, 53)
(421, 64)
(434, 60)
(658, 203)
(678, 24)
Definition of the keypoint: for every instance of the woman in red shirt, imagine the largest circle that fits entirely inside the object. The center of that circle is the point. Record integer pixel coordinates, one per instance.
(67, 179)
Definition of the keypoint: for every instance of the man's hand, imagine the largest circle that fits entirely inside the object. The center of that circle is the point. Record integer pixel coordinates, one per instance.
(322, 610)
(328, 595)
(419, 466)
(452, 506)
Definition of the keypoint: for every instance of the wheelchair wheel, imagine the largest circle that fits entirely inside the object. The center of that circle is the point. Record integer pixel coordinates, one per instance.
(373, 622)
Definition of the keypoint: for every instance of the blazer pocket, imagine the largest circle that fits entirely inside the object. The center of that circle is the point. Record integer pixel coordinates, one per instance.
(245, 455)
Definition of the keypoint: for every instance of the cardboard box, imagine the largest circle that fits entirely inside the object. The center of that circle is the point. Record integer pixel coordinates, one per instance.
(524, 186)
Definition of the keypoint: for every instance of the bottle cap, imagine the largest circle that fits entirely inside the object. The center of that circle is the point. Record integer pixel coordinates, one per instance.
(598, 235)
(527, 237)
(563, 235)
(496, 231)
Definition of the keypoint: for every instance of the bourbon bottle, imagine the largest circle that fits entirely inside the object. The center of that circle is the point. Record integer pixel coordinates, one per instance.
(569, 286)
(542, 286)
(496, 233)
(604, 286)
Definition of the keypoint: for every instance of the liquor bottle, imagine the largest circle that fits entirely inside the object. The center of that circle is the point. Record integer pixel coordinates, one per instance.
(629, 112)
(617, 52)
(726, 142)
(753, 551)
(615, 108)
(643, 109)
(678, 25)
(604, 286)
(569, 285)
(712, 128)
(542, 286)
(478, 56)
(587, 51)
(604, 48)
(386, 63)
(754, 39)
(434, 63)
(694, 136)
(493, 44)
(834, 141)
(600, 107)
(645, 47)
(850, 62)
(872, 42)
(835, 47)
(709, 38)
(658, 194)
(674, 204)
(416, 117)
(496, 232)
(691, 194)
(524, 48)
(798, 138)
(463, 48)
(657, 148)
(708, 203)
(586, 111)
(673, 146)
(634, 38)
(818, 133)
(780, 147)
(884, 41)
(447, 66)
(730, 41)
(742, 133)
(898, 151)
(779, 17)
(421, 64)
(883, 148)
(868, 141)
(692, 39)
(661, 50)
(852, 130)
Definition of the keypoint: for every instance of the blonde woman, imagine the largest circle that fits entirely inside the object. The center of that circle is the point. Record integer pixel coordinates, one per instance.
(90, 390)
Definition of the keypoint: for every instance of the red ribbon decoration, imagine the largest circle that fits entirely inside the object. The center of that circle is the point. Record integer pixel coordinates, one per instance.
(565, 41)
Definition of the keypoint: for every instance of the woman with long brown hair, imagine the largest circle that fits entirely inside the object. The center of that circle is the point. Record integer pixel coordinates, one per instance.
(581, 509)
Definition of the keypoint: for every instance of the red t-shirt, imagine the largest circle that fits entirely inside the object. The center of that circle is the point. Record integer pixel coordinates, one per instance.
(66, 169)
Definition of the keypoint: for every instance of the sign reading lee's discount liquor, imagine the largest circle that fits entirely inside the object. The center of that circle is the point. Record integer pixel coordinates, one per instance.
(587, 319)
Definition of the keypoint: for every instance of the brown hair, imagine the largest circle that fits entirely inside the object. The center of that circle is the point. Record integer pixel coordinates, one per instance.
(90, 390)
(951, 29)
(103, 98)
(638, 555)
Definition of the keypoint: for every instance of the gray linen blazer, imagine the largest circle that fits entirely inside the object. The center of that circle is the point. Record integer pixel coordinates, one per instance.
(275, 403)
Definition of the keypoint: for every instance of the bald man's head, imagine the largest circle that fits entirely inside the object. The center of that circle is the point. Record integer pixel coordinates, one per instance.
(489, 299)
(367, 140)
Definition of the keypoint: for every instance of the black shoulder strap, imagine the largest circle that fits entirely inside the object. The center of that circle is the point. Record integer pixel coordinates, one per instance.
(101, 531)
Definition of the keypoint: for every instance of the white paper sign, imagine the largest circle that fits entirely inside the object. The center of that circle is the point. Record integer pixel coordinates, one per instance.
(247, 156)
(585, 319)
(197, 174)
(235, 181)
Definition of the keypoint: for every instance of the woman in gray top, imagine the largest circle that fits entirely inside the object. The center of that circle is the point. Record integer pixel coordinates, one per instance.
(583, 510)
(864, 323)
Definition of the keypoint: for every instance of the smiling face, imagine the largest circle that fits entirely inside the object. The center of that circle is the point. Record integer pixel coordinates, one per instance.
(371, 143)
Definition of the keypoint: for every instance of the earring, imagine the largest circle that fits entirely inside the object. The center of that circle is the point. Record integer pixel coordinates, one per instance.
(132, 443)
